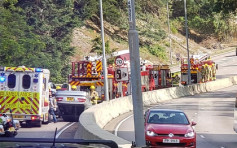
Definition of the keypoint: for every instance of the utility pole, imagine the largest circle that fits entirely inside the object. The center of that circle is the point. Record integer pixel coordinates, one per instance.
(186, 26)
(168, 21)
(136, 77)
(104, 58)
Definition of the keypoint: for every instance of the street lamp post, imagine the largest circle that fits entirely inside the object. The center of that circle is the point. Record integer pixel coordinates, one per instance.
(168, 21)
(136, 77)
(186, 27)
(104, 58)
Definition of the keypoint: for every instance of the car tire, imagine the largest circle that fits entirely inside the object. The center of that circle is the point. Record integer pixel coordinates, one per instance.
(39, 123)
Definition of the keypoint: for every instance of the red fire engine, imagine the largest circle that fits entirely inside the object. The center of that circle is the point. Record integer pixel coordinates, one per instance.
(202, 69)
(88, 72)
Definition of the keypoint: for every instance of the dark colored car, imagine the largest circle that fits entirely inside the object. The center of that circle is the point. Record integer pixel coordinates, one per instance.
(166, 128)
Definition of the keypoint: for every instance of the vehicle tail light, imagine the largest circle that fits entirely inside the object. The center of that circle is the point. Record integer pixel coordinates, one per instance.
(59, 99)
(81, 99)
(34, 117)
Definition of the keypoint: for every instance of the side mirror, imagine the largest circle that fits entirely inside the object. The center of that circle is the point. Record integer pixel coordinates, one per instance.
(193, 123)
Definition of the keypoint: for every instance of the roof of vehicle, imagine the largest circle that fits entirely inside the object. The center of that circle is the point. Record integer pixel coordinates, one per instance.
(157, 109)
(76, 93)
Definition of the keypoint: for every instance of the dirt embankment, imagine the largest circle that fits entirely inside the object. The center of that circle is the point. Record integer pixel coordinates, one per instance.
(82, 41)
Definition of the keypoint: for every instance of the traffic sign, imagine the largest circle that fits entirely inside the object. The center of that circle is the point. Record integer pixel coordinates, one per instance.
(122, 74)
(119, 61)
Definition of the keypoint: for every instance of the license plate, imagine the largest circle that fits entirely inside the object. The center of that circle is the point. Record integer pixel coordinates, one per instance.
(171, 141)
(17, 116)
(70, 99)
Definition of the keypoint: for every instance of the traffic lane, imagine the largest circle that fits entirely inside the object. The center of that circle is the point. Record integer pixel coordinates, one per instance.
(45, 131)
(212, 111)
(226, 65)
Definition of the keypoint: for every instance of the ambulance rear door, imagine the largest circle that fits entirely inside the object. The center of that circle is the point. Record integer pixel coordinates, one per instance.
(26, 103)
(9, 93)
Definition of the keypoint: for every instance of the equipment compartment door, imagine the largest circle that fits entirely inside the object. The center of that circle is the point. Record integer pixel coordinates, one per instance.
(25, 94)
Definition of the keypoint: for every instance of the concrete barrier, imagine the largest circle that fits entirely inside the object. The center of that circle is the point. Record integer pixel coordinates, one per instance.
(93, 120)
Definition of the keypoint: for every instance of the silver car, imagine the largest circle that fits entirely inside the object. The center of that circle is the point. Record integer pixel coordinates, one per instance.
(72, 103)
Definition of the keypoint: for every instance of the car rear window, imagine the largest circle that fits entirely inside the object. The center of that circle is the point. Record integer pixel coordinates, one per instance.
(167, 117)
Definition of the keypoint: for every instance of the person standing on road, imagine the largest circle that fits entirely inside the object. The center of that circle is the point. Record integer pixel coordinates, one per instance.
(52, 106)
(93, 95)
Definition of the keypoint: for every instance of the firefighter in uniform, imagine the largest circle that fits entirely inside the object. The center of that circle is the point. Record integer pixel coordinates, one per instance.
(206, 73)
(203, 73)
(93, 95)
(210, 73)
(213, 71)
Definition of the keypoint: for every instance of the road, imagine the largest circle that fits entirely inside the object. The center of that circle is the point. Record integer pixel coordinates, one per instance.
(212, 111)
(65, 130)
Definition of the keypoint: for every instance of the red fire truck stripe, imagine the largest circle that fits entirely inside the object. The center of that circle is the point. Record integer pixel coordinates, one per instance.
(77, 83)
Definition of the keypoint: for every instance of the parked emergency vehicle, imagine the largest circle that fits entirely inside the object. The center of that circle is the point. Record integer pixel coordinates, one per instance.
(87, 73)
(202, 69)
(26, 92)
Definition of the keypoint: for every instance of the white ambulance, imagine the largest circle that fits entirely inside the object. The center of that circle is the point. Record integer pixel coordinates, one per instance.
(26, 92)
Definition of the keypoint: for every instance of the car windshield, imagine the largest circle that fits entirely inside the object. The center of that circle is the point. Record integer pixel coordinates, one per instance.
(167, 117)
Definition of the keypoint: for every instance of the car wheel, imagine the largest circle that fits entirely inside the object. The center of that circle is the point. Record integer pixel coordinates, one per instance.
(39, 123)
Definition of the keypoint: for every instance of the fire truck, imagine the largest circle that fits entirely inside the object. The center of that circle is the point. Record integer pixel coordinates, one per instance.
(202, 69)
(152, 76)
(155, 77)
(25, 92)
(88, 72)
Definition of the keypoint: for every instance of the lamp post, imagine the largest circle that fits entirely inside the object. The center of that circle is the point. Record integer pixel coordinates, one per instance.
(104, 58)
(168, 21)
(186, 27)
(136, 77)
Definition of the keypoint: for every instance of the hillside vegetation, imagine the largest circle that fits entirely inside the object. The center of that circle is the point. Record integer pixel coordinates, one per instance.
(48, 33)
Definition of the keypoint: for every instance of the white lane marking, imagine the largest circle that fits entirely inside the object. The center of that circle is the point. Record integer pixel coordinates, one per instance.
(117, 127)
(222, 147)
(202, 136)
(59, 133)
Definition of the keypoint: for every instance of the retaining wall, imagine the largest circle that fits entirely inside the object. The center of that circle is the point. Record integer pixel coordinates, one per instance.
(92, 121)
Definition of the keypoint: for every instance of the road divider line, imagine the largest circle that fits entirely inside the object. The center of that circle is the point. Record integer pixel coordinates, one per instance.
(59, 133)
(117, 127)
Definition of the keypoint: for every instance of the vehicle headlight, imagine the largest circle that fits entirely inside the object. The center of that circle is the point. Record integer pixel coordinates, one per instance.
(189, 134)
(150, 133)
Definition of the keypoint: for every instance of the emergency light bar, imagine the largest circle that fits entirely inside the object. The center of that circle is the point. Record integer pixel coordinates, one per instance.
(38, 70)
(2, 78)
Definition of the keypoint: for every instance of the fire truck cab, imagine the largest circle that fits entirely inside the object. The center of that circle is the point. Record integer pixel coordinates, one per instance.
(25, 91)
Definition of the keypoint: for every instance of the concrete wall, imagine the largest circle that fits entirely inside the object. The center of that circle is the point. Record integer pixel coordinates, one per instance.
(92, 121)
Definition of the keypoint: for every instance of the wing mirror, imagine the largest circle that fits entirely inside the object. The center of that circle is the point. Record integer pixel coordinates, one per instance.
(193, 123)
